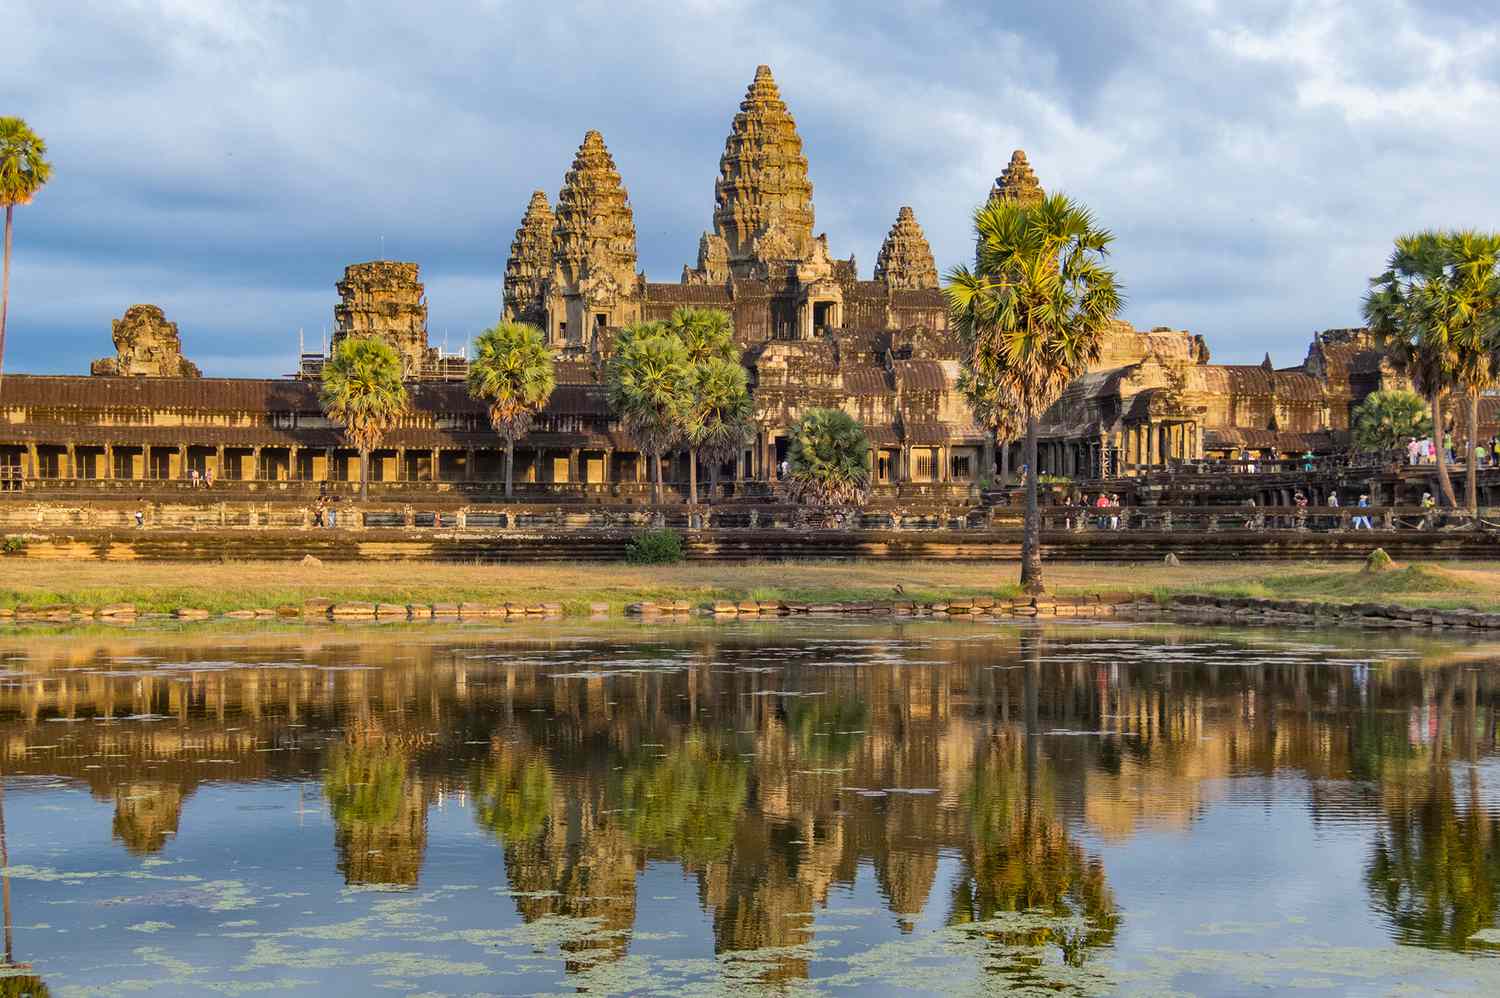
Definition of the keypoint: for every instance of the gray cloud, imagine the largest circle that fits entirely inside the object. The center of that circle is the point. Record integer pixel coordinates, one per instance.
(226, 160)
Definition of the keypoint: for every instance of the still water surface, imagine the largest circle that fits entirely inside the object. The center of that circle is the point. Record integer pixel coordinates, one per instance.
(798, 807)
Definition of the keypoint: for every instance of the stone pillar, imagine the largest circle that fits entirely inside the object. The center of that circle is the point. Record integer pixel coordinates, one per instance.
(109, 461)
(573, 465)
(469, 465)
(437, 472)
(219, 461)
(609, 459)
(182, 466)
(327, 464)
(293, 464)
(400, 464)
(1151, 451)
(259, 472)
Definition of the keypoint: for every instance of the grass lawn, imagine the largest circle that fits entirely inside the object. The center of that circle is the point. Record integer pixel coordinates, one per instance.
(228, 586)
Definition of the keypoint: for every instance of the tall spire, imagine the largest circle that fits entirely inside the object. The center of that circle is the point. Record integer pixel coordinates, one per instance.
(530, 263)
(1017, 182)
(905, 261)
(763, 199)
(593, 238)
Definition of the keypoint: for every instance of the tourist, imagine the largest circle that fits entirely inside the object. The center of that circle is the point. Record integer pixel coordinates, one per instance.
(208, 479)
(1299, 499)
(1427, 501)
(140, 513)
(1333, 500)
(193, 477)
(1114, 518)
(1307, 460)
(1479, 455)
(333, 513)
(1413, 451)
(1363, 521)
(318, 511)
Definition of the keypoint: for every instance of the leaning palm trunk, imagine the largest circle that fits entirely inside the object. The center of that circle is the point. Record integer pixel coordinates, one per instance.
(510, 465)
(693, 476)
(656, 478)
(1471, 475)
(1440, 450)
(1031, 534)
(364, 474)
(5, 286)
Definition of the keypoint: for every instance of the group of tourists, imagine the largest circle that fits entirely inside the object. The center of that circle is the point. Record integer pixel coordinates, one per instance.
(205, 480)
(1424, 451)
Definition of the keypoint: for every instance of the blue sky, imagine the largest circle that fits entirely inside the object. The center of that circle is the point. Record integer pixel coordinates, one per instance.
(226, 160)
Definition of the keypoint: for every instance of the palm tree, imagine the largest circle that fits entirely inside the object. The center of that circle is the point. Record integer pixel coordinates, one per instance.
(1468, 302)
(707, 334)
(1398, 309)
(720, 420)
(1386, 420)
(649, 382)
(512, 371)
(830, 460)
(1032, 314)
(363, 393)
(23, 171)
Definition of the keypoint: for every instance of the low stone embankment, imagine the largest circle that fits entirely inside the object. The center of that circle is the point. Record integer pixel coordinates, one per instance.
(1303, 613)
(572, 546)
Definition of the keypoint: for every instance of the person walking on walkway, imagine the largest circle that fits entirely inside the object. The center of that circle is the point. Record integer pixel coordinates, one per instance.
(1363, 521)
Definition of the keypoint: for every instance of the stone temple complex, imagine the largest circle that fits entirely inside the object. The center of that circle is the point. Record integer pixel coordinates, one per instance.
(814, 332)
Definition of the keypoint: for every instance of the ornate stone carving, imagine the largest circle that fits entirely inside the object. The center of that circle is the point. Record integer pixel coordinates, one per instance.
(763, 199)
(905, 260)
(384, 298)
(595, 229)
(146, 346)
(713, 261)
(530, 263)
(1017, 182)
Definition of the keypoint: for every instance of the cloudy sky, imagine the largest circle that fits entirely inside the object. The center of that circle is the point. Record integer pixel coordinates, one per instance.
(226, 160)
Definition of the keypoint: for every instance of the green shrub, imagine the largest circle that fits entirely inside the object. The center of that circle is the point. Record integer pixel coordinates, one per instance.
(654, 547)
(13, 545)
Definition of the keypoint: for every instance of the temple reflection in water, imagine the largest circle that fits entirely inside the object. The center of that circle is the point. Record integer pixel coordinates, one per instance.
(773, 763)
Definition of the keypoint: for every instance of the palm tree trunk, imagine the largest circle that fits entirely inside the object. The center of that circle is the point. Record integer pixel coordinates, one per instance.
(713, 481)
(5, 286)
(1031, 547)
(1440, 446)
(655, 478)
(510, 464)
(364, 474)
(1471, 474)
(1004, 463)
(693, 476)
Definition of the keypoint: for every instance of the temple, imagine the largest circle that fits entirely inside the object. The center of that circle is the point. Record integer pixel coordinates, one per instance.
(814, 333)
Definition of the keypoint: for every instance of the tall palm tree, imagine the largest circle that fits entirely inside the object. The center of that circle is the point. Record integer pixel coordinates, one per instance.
(720, 420)
(512, 371)
(707, 334)
(649, 384)
(363, 393)
(830, 460)
(1032, 315)
(23, 171)
(1467, 302)
(1399, 309)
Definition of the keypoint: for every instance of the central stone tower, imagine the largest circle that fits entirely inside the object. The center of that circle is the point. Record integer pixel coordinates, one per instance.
(763, 211)
(594, 282)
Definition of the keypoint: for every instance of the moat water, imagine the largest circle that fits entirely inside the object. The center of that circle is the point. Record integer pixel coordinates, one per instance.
(756, 808)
